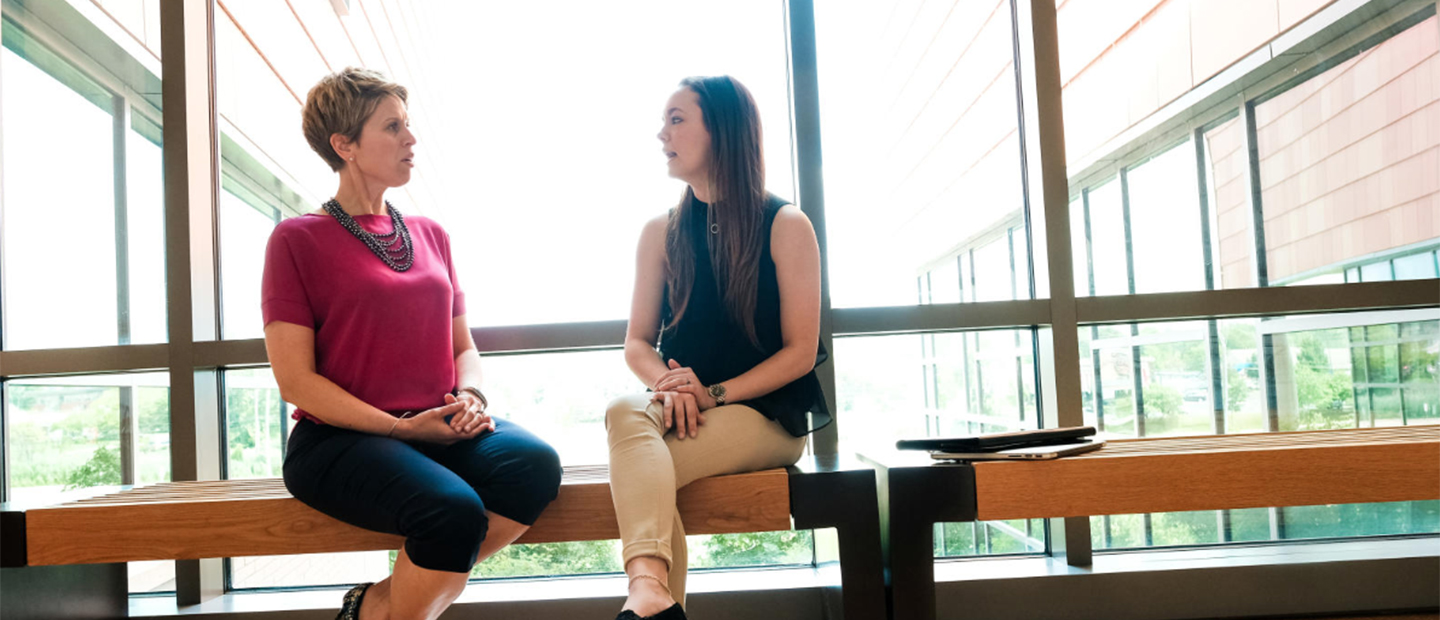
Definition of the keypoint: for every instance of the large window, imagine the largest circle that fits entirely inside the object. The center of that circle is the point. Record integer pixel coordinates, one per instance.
(84, 210)
(561, 143)
(1246, 375)
(1341, 188)
(942, 385)
(1208, 146)
(922, 147)
(71, 436)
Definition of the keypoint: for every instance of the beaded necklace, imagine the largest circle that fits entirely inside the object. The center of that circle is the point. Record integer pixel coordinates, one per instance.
(394, 248)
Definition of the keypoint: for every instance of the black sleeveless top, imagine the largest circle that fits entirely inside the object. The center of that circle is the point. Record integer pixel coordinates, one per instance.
(710, 342)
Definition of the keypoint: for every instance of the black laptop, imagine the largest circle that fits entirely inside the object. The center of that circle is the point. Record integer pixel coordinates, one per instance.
(999, 441)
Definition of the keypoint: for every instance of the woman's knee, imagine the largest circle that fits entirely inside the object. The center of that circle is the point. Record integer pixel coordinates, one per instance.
(626, 411)
(454, 518)
(526, 483)
(546, 470)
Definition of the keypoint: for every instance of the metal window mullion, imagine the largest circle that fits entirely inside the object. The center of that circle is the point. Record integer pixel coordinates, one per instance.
(1261, 267)
(1135, 363)
(960, 276)
(1217, 367)
(4, 444)
(129, 429)
(4, 326)
(1037, 53)
(191, 174)
(120, 124)
(805, 106)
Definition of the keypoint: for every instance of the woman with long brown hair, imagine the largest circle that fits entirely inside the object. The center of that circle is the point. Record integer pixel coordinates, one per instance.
(727, 285)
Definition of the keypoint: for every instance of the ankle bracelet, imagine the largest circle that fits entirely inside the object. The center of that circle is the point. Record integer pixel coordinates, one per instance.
(663, 585)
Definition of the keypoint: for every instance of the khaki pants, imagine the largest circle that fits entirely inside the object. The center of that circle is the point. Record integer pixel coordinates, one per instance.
(647, 466)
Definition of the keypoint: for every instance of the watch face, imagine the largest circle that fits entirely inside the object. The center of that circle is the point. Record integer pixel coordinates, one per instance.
(717, 391)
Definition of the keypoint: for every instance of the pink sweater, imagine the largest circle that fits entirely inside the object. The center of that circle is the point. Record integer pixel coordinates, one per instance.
(384, 336)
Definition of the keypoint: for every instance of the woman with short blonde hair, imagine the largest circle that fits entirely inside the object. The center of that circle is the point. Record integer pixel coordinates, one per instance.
(366, 333)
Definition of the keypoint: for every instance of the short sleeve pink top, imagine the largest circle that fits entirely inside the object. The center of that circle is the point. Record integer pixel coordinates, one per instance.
(384, 336)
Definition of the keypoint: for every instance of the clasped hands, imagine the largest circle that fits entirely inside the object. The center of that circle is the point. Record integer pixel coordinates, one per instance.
(684, 400)
(467, 419)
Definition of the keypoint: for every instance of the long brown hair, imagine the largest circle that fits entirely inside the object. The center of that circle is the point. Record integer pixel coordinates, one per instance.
(737, 190)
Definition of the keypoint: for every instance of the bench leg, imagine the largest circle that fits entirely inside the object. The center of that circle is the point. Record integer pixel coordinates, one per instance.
(64, 592)
(839, 500)
(916, 499)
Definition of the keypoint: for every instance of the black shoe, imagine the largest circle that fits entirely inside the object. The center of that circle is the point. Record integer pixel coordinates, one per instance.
(673, 612)
(350, 607)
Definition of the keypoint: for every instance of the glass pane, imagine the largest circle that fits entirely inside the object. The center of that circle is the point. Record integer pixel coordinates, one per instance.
(1415, 266)
(1361, 520)
(69, 434)
(944, 283)
(112, 209)
(1382, 363)
(1165, 223)
(145, 227)
(84, 431)
(41, 172)
(1376, 272)
(1422, 404)
(622, 174)
(1109, 252)
(1329, 145)
(1344, 157)
(994, 280)
(244, 230)
(946, 384)
(922, 152)
(1319, 371)
(257, 424)
(314, 569)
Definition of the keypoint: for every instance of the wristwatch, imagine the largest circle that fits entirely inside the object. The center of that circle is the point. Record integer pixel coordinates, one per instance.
(717, 392)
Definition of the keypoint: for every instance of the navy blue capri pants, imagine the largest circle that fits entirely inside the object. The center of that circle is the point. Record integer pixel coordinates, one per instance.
(433, 495)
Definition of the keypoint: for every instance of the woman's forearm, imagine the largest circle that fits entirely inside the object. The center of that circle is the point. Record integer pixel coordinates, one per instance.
(467, 370)
(644, 361)
(320, 397)
(777, 371)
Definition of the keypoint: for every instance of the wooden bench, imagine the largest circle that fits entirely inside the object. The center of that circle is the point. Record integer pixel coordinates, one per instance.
(237, 518)
(1129, 476)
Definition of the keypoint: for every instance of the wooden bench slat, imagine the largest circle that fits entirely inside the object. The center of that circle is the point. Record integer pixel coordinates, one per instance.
(207, 490)
(1218, 472)
(1293, 439)
(189, 520)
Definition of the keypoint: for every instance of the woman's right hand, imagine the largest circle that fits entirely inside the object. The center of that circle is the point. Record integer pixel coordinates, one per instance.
(430, 425)
(681, 413)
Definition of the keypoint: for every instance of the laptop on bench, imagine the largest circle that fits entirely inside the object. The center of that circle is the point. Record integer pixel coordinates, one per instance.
(1031, 445)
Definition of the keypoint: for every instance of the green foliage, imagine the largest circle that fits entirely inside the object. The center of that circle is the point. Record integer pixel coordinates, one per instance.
(1162, 400)
(1324, 395)
(754, 549)
(102, 469)
(1239, 336)
(1237, 389)
(153, 405)
(573, 558)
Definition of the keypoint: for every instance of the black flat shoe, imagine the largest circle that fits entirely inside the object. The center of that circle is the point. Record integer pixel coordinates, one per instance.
(673, 612)
(350, 607)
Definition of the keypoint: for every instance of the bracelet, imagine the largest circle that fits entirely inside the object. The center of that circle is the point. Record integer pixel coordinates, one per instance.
(398, 418)
(484, 404)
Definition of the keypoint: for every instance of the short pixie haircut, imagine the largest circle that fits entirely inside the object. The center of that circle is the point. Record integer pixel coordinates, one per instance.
(341, 103)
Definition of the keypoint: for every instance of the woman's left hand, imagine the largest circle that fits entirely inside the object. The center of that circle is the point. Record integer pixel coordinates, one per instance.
(682, 379)
(472, 417)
